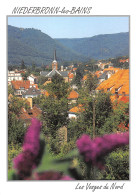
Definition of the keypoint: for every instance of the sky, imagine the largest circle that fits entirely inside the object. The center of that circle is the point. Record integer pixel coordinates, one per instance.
(73, 27)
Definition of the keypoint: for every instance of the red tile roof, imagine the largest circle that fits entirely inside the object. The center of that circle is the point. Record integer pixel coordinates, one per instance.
(121, 98)
(111, 69)
(21, 84)
(122, 127)
(35, 85)
(70, 75)
(44, 92)
(73, 95)
(32, 113)
(85, 77)
(77, 109)
(74, 69)
(124, 99)
(124, 60)
(119, 80)
(98, 73)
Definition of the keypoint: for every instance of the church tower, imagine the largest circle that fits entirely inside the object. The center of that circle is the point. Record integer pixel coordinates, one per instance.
(54, 63)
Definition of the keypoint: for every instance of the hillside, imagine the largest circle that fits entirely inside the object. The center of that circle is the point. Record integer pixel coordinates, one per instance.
(100, 46)
(32, 45)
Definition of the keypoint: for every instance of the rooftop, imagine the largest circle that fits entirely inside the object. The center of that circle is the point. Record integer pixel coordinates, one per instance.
(20, 84)
(118, 81)
(32, 91)
(73, 95)
(76, 109)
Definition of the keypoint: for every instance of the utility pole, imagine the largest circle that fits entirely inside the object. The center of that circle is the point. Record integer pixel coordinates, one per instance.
(94, 117)
(93, 94)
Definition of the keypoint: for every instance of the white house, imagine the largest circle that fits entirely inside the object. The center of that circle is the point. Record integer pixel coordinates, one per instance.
(14, 76)
(32, 79)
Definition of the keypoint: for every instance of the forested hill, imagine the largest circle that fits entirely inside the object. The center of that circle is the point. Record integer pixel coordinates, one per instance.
(33, 46)
(100, 46)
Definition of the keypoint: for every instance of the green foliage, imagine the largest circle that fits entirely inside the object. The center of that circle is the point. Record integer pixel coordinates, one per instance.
(12, 175)
(58, 87)
(16, 128)
(25, 75)
(22, 65)
(50, 162)
(54, 107)
(41, 81)
(120, 115)
(91, 82)
(118, 64)
(76, 128)
(99, 107)
(103, 108)
(79, 75)
(67, 147)
(13, 151)
(10, 90)
(117, 165)
(54, 113)
(23, 44)
(101, 46)
(16, 104)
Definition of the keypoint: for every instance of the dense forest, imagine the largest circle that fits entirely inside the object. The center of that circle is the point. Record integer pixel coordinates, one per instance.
(100, 46)
(34, 46)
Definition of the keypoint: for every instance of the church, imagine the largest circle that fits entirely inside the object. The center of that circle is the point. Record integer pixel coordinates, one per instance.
(50, 74)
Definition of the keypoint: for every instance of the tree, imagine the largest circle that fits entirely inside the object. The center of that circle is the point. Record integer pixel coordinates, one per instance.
(25, 75)
(54, 114)
(119, 116)
(16, 104)
(117, 165)
(91, 82)
(16, 127)
(22, 65)
(96, 110)
(77, 79)
(58, 87)
(43, 67)
(55, 106)
(41, 80)
(33, 67)
(10, 90)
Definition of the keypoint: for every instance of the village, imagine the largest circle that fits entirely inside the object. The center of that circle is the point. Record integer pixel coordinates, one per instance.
(110, 79)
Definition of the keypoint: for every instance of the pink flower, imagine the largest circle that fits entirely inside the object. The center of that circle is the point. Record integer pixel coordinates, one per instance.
(26, 161)
(47, 175)
(31, 140)
(51, 175)
(66, 177)
(94, 150)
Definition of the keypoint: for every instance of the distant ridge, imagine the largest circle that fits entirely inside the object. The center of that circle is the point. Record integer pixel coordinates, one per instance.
(34, 46)
(100, 46)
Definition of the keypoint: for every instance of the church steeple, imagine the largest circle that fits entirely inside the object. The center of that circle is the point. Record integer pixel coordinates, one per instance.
(54, 63)
(55, 55)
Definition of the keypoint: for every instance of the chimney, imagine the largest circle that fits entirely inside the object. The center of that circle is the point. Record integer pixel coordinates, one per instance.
(123, 93)
(62, 68)
(30, 100)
